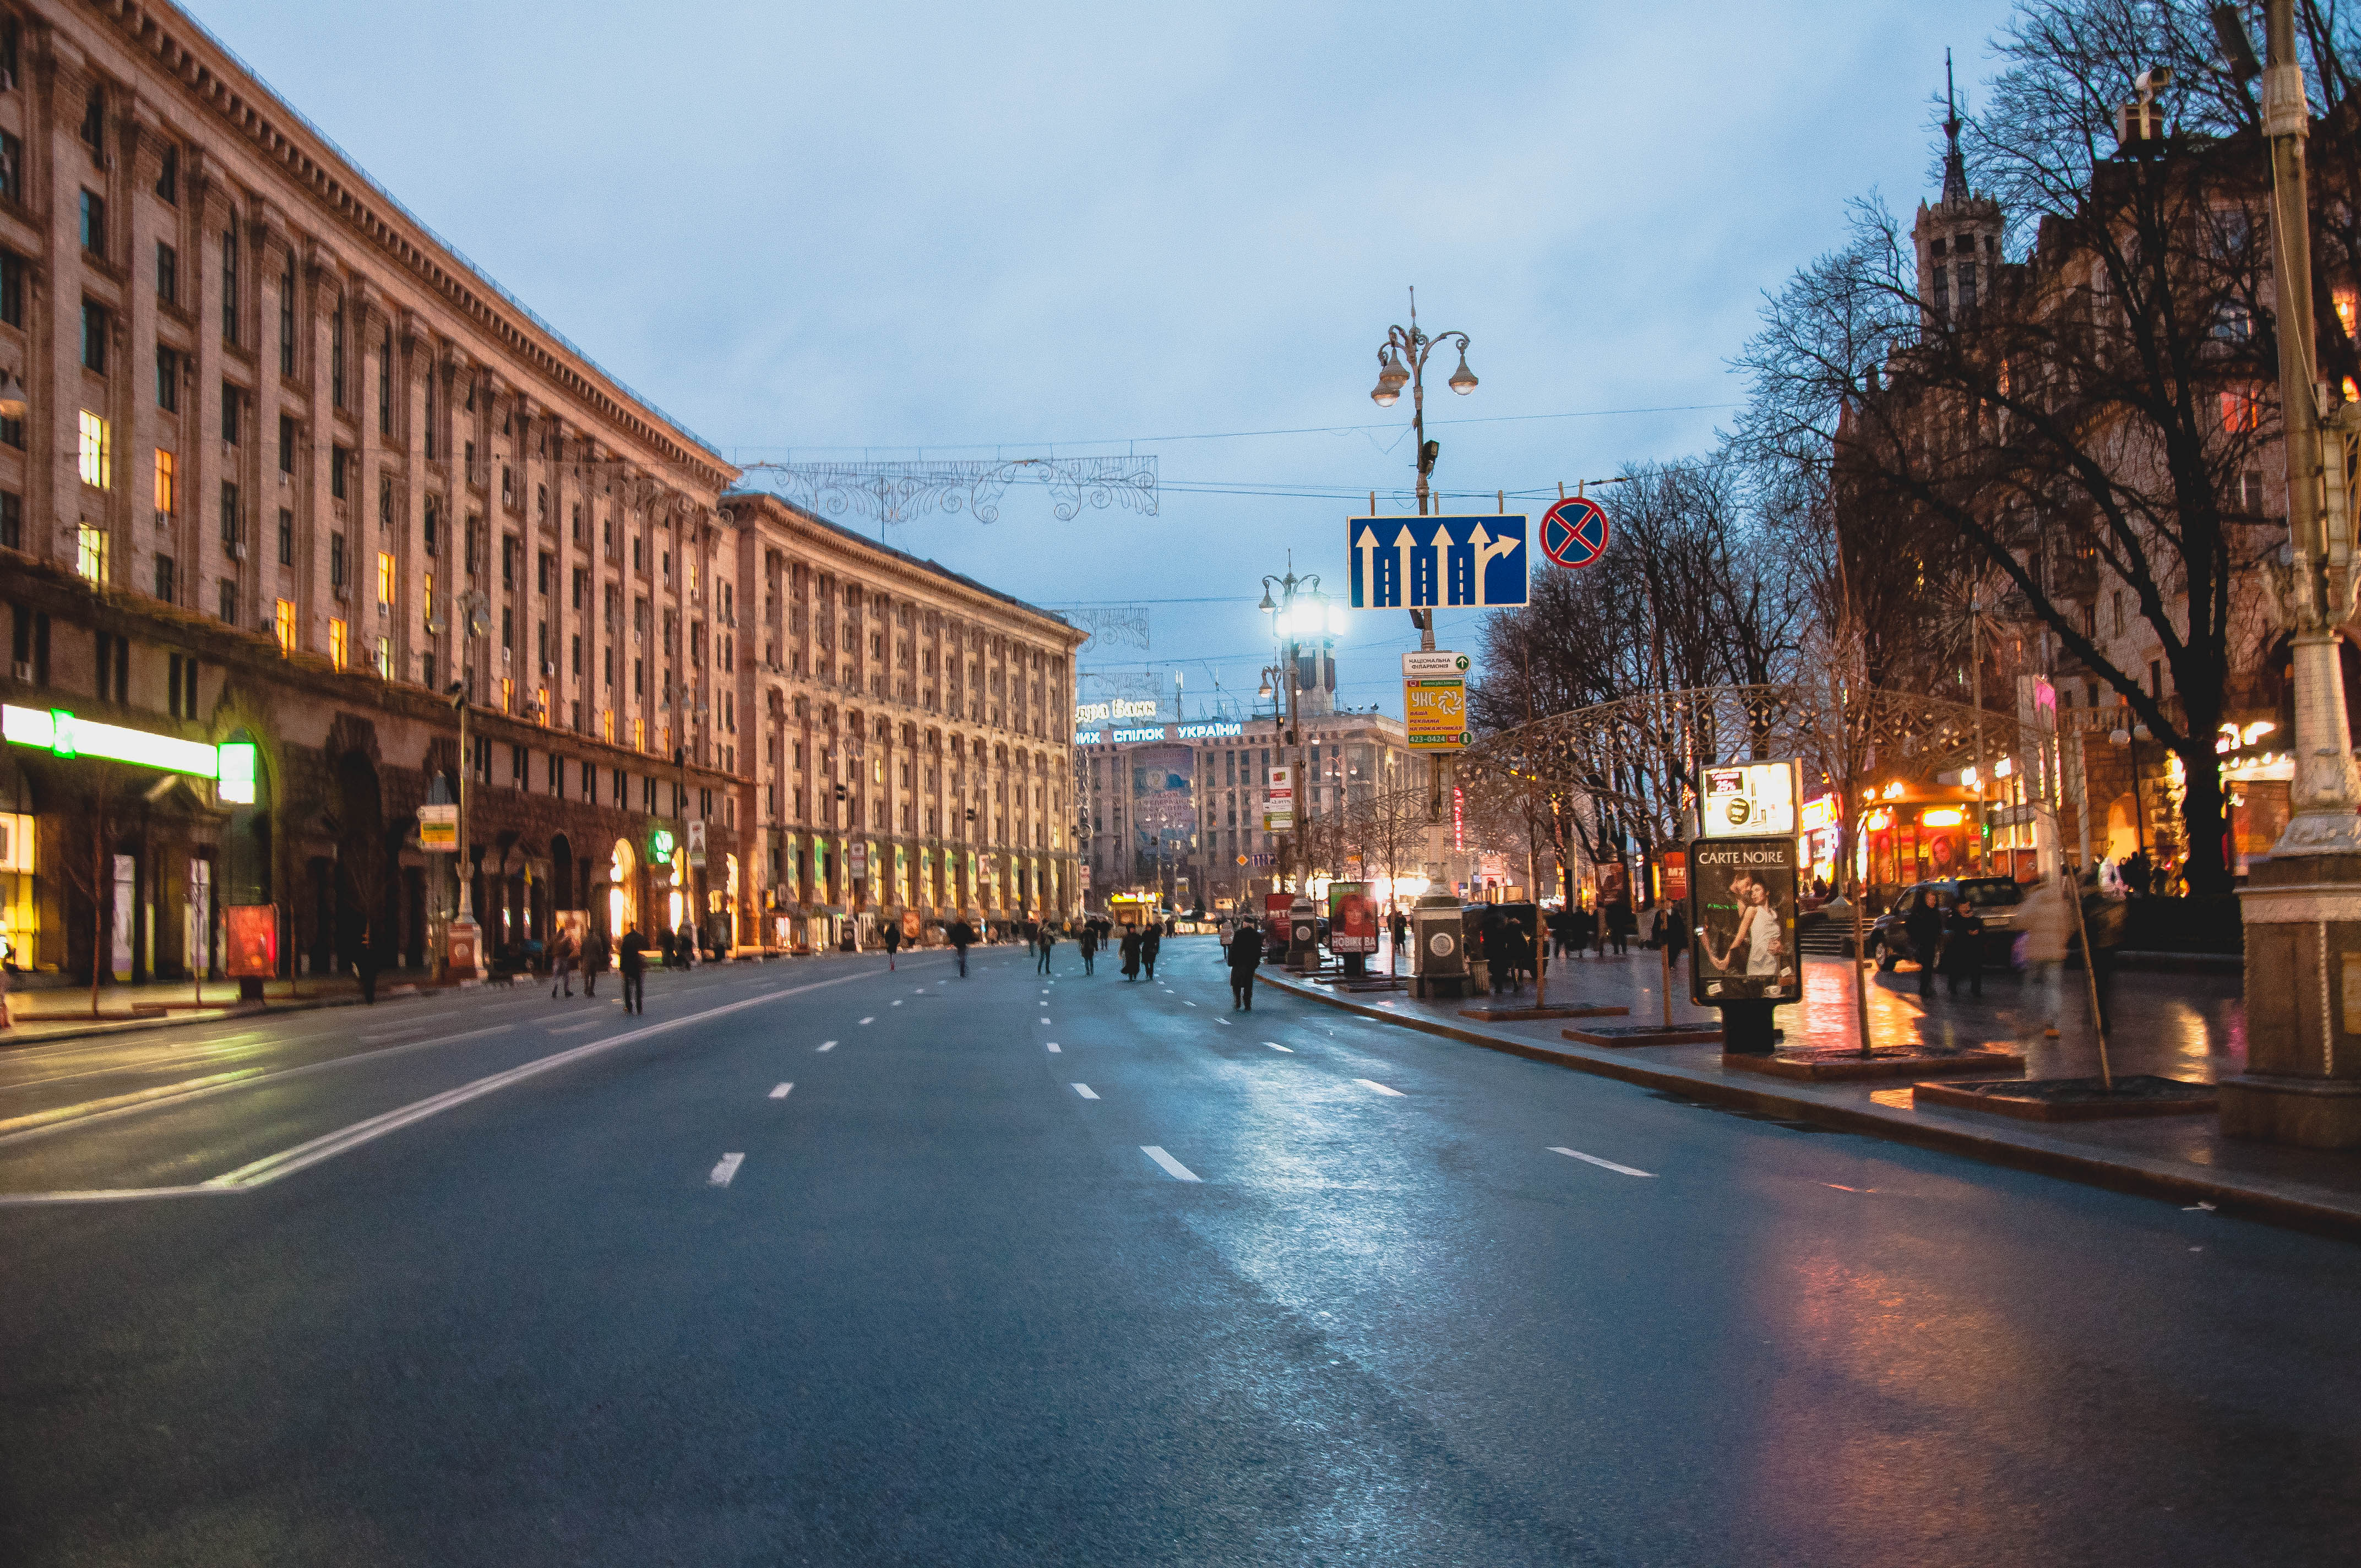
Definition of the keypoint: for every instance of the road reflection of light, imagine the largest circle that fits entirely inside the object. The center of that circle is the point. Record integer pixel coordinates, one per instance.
(1886, 1408)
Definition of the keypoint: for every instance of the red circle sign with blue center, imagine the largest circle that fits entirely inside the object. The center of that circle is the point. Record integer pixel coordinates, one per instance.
(1574, 531)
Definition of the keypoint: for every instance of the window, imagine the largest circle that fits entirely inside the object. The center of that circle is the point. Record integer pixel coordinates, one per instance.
(11, 520)
(94, 336)
(168, 178)
(286, 537)
(229, 514)
(545, 573)
(168, 273)
(339, 458)
(12, 167)
(12, 287)
(427, 529)
(2242, 410)
(287, 444)
(581, 585)
(384, 501)
(426, 671)
(385, 385)
(384, 577)
(337, 355)
(2232, 322)
(336, 563)
(184, 686)
(431, 447)
(229, 293)
(232, 396)
(93, 124)
(97, 450)
(90, 552)
(229, 601)
(282, 624)
(287, 318)
(510, 551)
(94, 223)
(338, 643)
(168, 379)
(383, 658)
(168, 501)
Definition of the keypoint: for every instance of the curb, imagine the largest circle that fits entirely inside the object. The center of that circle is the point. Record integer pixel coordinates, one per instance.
(2090, 1171)
(9, 1039)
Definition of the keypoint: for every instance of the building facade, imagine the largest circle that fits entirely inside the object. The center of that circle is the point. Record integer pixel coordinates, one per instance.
(290, 474)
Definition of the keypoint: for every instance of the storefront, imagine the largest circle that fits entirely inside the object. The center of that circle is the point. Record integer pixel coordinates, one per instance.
(1913, 833)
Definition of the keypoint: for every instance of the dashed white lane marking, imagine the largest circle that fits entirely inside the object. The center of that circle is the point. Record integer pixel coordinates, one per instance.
(1186, 1002)
(1053, 1045)
(1274, 1045)
(728, 1168)
(1373, 1083)
(575, 1028)
(1225, 1023)
(781, 1091)
(1045, 1023)
(871, 1019)
(1602, 1164)
(1173, 1168)
(826, 1045)
(897, 1002)
(1086, 1092)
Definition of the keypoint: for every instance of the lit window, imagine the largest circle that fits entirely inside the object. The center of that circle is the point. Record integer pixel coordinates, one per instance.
(384, 659)
(282, 625)
(337, 644)
(97, 450)
(639, 734)
(90, 552)
(2241, 411)
(541, 705)
(167, 493)
(507, 693)
(607, 725)
(384, 577)
(429, 597)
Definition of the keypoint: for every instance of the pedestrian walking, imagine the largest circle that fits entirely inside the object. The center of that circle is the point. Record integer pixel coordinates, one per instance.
(893, 938)
(1515, 950)
(594, 960)
(2102, 933)
(2046, 922)
(1047, 940)
(1131, 952)
(1088, 945)
(664, 946)
(634, 949)
(1148, 944)
(963, 936)
(1397, 926)
(686, 945)
(1246, 952)
(1963, 950)
(1924, 926)
(1620, 925)
(561, 962)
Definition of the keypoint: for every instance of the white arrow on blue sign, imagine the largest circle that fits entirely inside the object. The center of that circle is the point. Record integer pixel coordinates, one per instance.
(1425, 562)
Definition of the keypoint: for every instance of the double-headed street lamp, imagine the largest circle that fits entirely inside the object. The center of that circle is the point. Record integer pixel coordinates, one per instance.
(474, 612)
(1297, 608)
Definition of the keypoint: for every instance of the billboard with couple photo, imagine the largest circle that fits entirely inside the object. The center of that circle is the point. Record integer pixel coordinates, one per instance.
(1742, 921)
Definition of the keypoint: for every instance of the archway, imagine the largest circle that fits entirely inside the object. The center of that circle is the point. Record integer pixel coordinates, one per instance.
(2123, 828)
(622, 890)
(367, 884)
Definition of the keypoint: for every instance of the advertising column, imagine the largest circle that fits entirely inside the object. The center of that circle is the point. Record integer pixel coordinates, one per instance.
(1743, 871)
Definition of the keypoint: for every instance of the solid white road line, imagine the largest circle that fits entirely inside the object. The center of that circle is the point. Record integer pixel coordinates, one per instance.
(1053, 1047)
(1373, 1083)
(1085, 1091)
(1274, 1045)
(1173, 1168)
(727, 1169)
(38, 1123)
(781, 1091)
(826, 1045)
(304, 1155)
(1602, 1164)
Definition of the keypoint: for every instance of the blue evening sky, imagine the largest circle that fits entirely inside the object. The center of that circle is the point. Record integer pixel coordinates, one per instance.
(847, 231)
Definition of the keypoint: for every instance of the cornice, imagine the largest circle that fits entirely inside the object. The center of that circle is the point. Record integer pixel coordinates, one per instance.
(218, 85)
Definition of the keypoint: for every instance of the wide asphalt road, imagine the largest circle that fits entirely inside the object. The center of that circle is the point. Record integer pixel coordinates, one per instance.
(820, 1263)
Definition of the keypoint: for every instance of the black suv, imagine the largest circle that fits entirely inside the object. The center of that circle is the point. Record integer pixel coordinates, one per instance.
(1993, 898)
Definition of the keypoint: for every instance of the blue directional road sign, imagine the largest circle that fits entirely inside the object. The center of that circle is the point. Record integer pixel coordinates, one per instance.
(1424, 563)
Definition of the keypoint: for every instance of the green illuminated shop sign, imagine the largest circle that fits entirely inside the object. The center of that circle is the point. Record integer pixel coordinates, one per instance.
(659, 847)
(55, 730)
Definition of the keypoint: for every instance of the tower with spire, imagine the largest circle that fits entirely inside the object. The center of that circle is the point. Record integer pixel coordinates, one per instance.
(1957, 237)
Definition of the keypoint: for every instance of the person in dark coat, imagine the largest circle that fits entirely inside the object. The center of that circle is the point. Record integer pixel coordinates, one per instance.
(634, 949)
(1924, 926)
(1246, 952)
(1088, 944)
(1045, 941)
(892, 937)
(1515, 949)
(1620, 924)
(1963, 950)
(1148, 944)
(963, 936)
(594, 960)
(1131, 952)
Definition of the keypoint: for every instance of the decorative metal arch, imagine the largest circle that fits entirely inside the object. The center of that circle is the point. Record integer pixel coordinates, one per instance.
(896, 492)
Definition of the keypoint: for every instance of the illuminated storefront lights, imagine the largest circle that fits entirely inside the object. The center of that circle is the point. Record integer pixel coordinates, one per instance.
(62, 734)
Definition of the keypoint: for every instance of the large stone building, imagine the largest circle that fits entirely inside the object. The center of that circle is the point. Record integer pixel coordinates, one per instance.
(290, 473)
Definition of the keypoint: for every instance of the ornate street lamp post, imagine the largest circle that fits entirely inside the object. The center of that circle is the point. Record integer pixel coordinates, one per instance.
(474, 621)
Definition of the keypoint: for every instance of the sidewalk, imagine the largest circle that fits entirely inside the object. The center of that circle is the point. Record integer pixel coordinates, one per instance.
(2187, 1027)
(63, 1013)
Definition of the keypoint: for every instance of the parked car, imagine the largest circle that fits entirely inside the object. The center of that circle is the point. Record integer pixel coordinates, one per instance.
(1993, 898)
